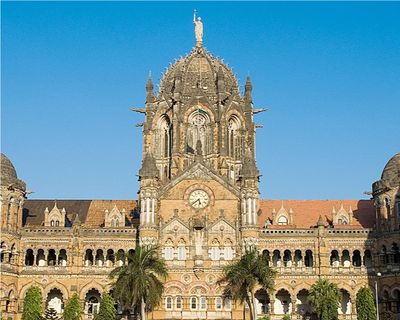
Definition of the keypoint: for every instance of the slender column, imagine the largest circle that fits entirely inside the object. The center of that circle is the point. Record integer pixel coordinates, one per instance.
(249, 210)
(254, 211)
(153, 210)
(244, 211)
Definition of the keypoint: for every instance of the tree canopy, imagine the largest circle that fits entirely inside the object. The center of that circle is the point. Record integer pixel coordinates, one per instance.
(324, 297)
(107, 310)
(243, 276)
(33, 301)
(73, 309)
(365, 304)
(139, 281)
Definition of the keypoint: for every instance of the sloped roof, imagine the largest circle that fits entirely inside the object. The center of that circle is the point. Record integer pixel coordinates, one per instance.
(91, 212)
(306, 212)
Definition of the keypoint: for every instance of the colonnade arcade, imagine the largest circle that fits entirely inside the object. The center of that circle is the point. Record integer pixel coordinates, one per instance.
(284, 302)
(59, 257)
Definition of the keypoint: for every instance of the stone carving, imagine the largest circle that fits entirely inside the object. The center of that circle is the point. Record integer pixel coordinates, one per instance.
(198, 29)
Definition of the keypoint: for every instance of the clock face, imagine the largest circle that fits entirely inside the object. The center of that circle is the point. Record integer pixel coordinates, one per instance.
(199, 199)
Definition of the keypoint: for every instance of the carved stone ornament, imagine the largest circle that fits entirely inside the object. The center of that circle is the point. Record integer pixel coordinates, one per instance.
(186, 278)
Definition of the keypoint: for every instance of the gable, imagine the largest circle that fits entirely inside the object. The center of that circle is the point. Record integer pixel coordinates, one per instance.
(198, 171)
(222, 226)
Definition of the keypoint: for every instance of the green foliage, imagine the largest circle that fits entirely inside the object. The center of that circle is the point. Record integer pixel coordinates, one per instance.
(265, 317)
(32, 309)
(365, 304)
(73, 308)
(286, 317)
(241, 278)
(139, 282)
(107, 310)
(324, 297)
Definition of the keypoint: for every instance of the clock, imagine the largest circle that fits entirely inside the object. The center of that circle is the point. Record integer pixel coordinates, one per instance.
(199, 199)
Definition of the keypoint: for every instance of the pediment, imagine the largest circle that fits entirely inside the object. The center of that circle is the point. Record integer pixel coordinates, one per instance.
(198, 171)
(222, 226)
(176, 226)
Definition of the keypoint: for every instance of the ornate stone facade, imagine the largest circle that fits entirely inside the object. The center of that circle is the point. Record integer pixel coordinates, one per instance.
(199, 201)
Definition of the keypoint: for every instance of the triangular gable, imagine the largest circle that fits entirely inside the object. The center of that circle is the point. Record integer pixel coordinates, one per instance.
(198, 171)
(176, 226)
(226, 227)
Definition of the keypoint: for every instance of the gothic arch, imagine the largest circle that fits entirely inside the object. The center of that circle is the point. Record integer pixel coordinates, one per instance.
(91, 285)
(25, 288)
(56, 285)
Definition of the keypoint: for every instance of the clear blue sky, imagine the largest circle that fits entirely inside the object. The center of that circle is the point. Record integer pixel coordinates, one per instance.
(328, 72)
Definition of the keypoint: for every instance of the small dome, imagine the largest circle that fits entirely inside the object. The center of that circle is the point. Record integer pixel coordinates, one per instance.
(391, 172)
(9, 174)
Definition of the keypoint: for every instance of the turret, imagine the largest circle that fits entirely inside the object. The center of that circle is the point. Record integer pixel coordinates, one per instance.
(248, 88)
(149, 90)
(13, 194)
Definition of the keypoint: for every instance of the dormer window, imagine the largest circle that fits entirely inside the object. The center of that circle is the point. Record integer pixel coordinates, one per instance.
(282, 221)
(342, 220)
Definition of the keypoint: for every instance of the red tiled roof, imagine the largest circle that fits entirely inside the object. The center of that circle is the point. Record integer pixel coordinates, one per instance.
(91, 212)
(306, 212)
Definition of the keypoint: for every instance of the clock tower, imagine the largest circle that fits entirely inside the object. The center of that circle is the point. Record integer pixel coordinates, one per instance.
(199, 180)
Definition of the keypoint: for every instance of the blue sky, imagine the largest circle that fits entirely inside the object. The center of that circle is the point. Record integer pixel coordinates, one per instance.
(328, 72)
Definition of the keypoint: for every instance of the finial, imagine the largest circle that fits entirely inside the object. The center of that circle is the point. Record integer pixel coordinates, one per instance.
(320, 222)
(198, 29)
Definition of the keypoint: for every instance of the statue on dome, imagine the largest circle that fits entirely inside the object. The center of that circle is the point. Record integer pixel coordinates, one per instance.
(198, 29)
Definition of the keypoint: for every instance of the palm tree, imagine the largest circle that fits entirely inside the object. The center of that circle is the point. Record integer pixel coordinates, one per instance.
(324, 297)
(242, 278)
(138, 282)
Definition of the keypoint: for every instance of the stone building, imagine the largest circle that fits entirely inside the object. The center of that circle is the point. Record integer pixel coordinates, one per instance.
(199, 201)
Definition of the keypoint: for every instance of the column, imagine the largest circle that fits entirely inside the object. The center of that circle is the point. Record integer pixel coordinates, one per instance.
(142, 213)
(153, 210)
(244, 212)
(249, 210)
(254, 211)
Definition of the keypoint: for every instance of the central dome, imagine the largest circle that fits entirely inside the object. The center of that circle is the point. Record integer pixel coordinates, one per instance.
(199, 70)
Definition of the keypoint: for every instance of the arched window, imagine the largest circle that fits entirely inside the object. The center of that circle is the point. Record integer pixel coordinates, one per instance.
(169, 251)
(218, 303)
(342, 220)
(193, 303)
(163, 137)
(199, 129)
(168, 303)
(203, 303)
(181, 251)
(235, 139)
(178, 303)
(282, 220)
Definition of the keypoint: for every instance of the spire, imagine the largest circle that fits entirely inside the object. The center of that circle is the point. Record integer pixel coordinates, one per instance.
(249, 168)
(248, 88)
(149, 90)
(149, 168)
(320, 222)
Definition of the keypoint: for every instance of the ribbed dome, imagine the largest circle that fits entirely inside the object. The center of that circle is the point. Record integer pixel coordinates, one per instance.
(391, 172)
(9, 174)
(198, 70)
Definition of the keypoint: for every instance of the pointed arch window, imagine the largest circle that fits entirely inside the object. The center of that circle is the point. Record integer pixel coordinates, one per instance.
(283, 221)
(235, 138)
(199, 129)
(163, 137)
